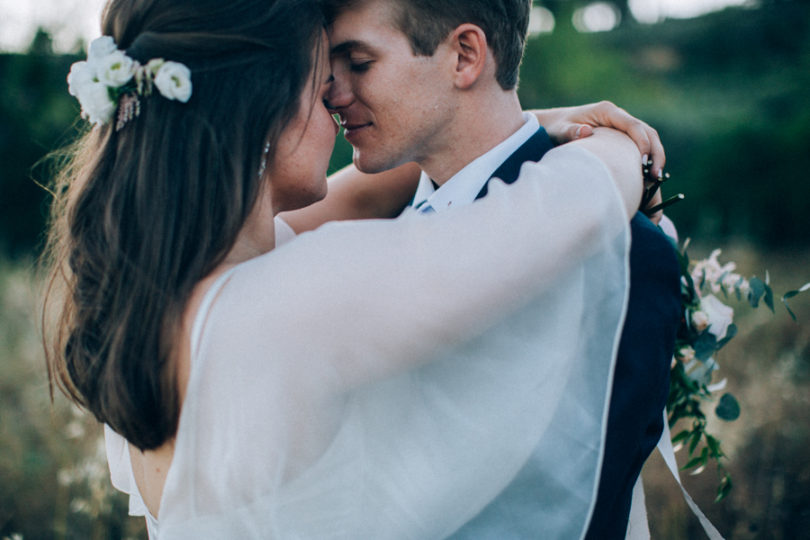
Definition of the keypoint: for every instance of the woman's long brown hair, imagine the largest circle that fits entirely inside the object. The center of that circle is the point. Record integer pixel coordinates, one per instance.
(142, 214)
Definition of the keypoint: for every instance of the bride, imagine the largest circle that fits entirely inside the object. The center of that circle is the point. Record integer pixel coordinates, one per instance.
(323, 388)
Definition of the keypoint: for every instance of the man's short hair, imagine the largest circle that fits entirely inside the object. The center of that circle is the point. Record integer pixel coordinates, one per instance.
(428, 22)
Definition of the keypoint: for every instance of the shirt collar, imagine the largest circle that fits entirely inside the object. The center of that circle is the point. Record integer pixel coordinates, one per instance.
(463, 187)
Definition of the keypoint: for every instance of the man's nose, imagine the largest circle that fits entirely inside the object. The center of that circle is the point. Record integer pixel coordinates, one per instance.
(339, 96)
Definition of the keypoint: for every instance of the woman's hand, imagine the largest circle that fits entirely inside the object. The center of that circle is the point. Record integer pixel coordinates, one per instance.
(566, 124)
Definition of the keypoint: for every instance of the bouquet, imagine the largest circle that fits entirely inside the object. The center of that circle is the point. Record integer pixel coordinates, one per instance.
(706, 327)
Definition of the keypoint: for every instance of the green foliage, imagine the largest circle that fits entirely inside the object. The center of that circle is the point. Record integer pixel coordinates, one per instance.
(727, 92)
(36, 116)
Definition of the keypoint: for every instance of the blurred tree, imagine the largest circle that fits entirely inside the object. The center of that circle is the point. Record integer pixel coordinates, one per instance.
(727, 91)
(624, 8)
(36, 115)
(42, 44)
(563, 10)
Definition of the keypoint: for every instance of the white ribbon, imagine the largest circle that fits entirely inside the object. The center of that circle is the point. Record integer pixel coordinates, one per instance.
(668, 453)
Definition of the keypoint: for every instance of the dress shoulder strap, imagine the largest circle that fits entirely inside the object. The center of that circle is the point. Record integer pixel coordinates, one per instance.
(202, 311)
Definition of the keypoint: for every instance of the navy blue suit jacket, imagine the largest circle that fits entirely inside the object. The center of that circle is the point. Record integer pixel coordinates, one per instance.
(641, 379)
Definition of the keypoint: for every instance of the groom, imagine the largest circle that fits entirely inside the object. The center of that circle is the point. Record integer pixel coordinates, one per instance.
(434, 81)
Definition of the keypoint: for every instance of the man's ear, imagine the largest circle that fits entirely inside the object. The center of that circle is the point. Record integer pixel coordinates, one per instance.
(469, 45)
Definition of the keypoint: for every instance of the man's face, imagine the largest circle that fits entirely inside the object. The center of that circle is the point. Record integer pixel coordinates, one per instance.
(393, 105)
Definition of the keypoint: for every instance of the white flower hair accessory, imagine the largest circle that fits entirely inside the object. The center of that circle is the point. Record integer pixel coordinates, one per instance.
(109, 80)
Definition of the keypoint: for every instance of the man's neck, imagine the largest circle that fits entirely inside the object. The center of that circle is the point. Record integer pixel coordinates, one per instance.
(478, 128)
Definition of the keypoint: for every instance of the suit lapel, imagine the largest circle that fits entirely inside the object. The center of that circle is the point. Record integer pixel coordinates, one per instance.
(531, 150)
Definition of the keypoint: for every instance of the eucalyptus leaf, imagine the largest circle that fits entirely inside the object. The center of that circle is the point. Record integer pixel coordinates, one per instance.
(714, 447)
(683, 259)
(757, 291)
(790, 294)
(731, 331)
(694, 441)
(728, 409)
(705, 346)
(697, 461)
(724, 488)
(682, 436)
(769, 297)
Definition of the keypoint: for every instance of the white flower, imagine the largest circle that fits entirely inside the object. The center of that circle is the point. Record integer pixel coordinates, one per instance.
(711, 273)
(720, 315)
(701, 370)
(99, 48)
(81, 76)
(173, 80)
(97, 106)
(99, 82)
(116, 69)
(686, 353)
(700, 321)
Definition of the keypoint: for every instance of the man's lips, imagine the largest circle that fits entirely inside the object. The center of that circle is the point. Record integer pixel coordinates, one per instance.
(352, 129)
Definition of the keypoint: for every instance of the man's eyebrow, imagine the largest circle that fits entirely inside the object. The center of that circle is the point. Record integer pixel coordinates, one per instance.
(350, 46)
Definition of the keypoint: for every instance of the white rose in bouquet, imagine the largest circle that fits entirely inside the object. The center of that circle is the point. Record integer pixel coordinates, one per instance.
(720, 315)
(686, 354)
(700, 320)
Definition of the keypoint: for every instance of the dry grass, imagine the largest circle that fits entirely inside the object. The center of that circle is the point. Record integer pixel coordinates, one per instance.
(54, 482)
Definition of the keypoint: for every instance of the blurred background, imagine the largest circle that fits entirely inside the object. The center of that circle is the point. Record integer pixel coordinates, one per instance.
(726, 83)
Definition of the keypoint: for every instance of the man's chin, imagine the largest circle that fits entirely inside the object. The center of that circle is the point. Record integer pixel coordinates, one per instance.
(370, 164)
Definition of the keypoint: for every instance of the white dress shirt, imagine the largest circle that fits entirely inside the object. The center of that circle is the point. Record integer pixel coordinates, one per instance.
(464, 186)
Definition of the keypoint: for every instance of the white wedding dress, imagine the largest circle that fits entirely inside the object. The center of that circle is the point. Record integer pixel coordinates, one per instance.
(387, 379)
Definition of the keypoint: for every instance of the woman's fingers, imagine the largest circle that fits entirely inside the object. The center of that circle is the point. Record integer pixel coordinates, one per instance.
(646, 138)
(564, 131)
(582, 131)
(568, 124)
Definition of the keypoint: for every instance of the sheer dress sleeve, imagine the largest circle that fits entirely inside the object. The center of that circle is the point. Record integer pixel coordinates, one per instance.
(387, 379)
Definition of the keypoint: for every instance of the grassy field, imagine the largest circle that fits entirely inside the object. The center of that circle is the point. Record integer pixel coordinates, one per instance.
(54, 482)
